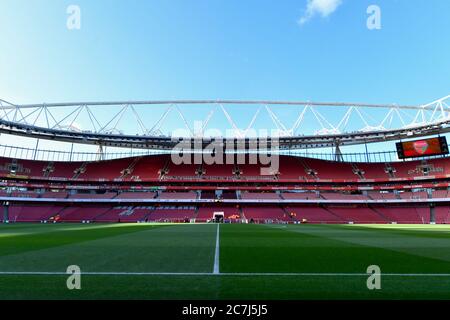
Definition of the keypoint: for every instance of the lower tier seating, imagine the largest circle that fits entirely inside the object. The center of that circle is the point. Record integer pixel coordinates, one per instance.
(407, 213)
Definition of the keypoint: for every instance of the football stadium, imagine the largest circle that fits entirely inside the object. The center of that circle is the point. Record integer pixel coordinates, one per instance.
(149, 153)
(212, 218)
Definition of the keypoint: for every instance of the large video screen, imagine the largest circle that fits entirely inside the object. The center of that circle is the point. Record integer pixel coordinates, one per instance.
(422, 148)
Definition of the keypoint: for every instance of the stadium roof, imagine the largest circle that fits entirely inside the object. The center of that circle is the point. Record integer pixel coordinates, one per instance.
(134, 124)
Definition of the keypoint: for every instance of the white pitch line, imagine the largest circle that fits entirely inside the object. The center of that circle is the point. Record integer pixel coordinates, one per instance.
(228, 274)
(216, 269)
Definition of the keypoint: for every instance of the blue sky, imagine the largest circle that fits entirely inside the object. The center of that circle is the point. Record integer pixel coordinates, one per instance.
(252, 49)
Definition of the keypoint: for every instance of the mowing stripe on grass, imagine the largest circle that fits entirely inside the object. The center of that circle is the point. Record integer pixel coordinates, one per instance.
(216, 269)
(227, 274)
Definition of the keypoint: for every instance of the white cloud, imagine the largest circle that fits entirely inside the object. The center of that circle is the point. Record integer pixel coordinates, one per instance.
(321, 7)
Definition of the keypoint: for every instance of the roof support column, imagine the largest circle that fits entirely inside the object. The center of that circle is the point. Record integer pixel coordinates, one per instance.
(338, 153)
(101, 153)
(36, 149)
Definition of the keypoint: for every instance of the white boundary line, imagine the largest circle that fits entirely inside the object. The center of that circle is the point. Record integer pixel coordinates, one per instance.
(216, 268)
(228, 274)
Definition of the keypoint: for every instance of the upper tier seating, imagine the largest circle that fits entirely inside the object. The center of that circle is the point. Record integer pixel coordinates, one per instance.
(329, 169)
(439, 166)
(291, 168)
(151, 168)
(64, 170)
(189, 171)
(251, 171)
(147, 168)
(248, 171)
(407, 169)
(223, 171)
(19, 167)
(370, 171)
(107, 170)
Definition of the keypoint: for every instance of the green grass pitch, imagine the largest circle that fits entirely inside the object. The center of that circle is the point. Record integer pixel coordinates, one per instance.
(166, 261)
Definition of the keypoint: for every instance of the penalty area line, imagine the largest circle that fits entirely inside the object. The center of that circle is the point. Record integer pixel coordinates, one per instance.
(216, 269)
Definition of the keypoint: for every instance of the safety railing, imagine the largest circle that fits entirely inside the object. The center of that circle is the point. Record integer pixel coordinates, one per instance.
(56, 155)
